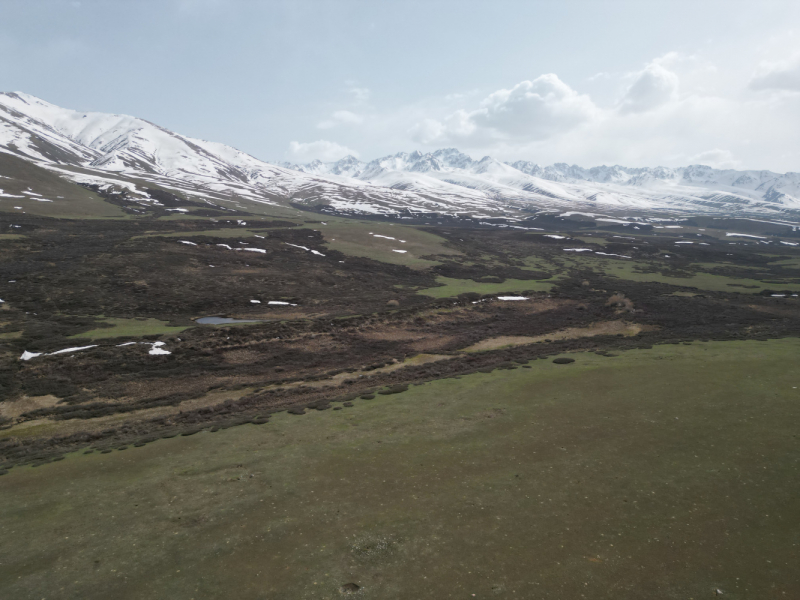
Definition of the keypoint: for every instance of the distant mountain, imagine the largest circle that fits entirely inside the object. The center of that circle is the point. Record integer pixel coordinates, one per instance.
(782, 191)
(126, 152)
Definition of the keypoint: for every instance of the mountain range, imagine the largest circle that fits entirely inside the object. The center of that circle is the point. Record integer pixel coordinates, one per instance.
(131, 155)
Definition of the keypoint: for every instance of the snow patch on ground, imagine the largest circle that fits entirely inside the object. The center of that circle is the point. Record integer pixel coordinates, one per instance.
(156, 349)
(29, 355)
(747, 235)
(74, 349)
(304, 248)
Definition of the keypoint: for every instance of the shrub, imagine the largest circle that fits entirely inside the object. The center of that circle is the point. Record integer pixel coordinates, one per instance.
(395, 389)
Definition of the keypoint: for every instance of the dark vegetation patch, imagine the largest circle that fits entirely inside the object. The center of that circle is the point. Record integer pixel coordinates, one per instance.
(395, 389)
(488, 273)
(71, 275)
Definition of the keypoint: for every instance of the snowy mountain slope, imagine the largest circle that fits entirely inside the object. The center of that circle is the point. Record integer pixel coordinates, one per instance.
(689, 189)
(754, 184)
(123, 143)
(128, 153)
(32, 139)
(97, 145)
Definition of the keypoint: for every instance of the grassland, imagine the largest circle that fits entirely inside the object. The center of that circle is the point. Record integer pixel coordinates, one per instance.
(453, 287)
(701, 281)
(67, 199)
(356, 238)
(636, 270)
(663, 473)
(588, 239)
(233, 232)
(130, 328)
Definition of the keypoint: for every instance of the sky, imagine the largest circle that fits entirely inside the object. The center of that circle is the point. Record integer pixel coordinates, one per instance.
(587, 82)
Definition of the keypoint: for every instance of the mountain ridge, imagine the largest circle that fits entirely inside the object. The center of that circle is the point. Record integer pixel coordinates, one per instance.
(557, 172)
(111, 150)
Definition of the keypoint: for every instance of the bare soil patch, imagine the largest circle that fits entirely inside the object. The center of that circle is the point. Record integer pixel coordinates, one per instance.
(15, 408)
(606, 328)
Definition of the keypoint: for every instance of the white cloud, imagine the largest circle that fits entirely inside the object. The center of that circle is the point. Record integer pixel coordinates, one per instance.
(531, 110)
(427, 131)
(673, 110)
(719, 159)
(360, 94)
(321, 150)
(783, 75)
(600, 75)
(341, 117)
(652, 87)
(537, 109)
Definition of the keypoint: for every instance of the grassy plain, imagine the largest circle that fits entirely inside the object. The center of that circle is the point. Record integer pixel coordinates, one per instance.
(635, 270)
(701, 281)
(130, 328)
(662, 473)
(356, 238)
(453, 287)
(240, 232)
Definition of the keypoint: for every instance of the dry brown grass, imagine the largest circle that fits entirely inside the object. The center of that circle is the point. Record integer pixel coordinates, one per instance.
(25, 404)
(620, 302)
(603, 328)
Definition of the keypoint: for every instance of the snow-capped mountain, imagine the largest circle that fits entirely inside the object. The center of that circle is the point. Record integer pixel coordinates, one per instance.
(696, 188)
(110, 150)
(131, 153)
